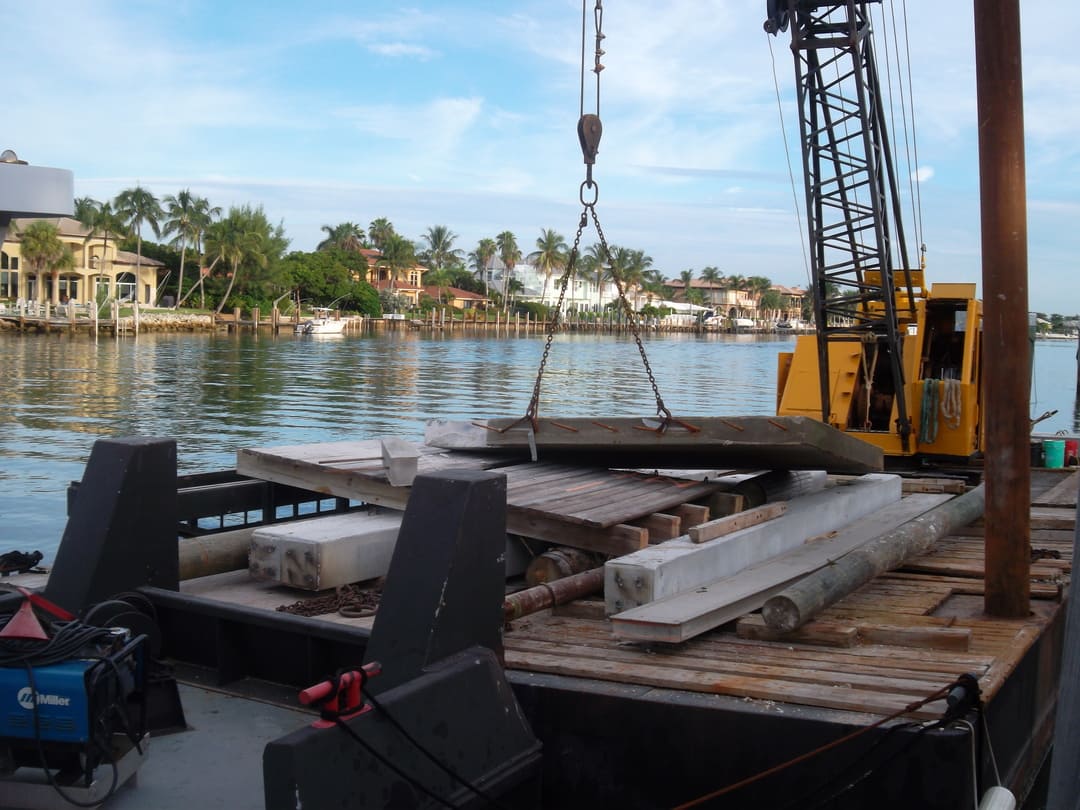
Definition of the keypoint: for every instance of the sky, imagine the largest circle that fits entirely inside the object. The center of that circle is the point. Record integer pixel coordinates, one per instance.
(464, 114)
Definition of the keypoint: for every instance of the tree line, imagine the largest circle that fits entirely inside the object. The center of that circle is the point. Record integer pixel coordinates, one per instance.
(241, 258)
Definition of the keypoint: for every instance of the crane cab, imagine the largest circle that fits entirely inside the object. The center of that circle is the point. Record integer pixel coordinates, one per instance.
(941, 359)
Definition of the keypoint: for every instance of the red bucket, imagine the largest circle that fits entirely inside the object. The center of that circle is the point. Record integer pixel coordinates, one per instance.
(1071, 452)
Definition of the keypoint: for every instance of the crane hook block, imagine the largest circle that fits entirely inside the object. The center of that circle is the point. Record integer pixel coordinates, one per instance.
(589, 130)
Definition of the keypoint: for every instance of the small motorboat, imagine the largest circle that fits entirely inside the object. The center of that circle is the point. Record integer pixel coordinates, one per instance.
(321, 323)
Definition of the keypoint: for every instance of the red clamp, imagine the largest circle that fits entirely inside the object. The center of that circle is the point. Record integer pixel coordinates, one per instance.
(341, 697)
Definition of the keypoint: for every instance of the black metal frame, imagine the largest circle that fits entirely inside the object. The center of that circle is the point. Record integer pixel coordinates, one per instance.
(850, 185)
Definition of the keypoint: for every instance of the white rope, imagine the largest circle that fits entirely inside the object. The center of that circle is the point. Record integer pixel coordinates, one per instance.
(950, 403)
(974, 763)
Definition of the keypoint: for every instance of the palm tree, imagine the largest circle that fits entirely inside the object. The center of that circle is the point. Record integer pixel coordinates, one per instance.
(84, 208)
(772, 303)
(346, 236)
(713, 277)
(137, 206)
(440, 279)
(379, 231)
(440, 250)
(103, 220)
(510, 255)
(188, 217)
(398, 256)
(686, 276)
(481, 259)
(758, 285)
(595, 263)
(550, 255)
(638, 264)
(42, 250)
(235, 242)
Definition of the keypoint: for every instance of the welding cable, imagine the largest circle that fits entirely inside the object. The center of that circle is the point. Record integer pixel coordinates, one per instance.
(44, 761)
(67, 640)
(491, 800)
(936, 695)
(829, 801)
(126, 600)
(804, 799)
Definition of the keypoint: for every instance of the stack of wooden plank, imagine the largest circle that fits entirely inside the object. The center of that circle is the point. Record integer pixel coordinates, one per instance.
(608, 511)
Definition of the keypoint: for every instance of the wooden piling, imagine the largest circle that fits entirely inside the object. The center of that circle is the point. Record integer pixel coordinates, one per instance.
(999, 87)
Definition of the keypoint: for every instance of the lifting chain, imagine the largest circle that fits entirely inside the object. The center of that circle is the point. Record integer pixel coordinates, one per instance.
(589, 132)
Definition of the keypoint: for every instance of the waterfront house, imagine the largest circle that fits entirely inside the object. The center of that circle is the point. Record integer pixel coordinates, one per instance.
(407, 284)
(102, 271)
(457, 298)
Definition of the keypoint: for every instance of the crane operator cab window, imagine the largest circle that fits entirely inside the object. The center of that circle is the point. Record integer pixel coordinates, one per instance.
(943, 346)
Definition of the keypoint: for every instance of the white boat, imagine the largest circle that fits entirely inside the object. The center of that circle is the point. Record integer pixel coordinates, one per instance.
(321, 323)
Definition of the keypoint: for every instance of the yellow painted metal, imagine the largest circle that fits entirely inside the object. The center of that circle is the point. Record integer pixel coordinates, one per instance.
(942, 345)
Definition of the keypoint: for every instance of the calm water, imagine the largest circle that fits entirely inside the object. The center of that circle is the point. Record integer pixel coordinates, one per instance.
(218, 393)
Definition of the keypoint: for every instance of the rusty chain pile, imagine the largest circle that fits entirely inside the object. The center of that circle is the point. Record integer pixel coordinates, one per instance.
(352, 601)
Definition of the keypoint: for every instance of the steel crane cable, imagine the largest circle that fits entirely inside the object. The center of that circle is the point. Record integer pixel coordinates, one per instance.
(589, 132)
(890, 55)
(790, 169)
(917, 196)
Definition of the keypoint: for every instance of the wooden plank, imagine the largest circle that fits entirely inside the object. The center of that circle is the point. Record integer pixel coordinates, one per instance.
(818, 633)
(1044, 517)
(831, 633)
(723, 504)
(637, 499)
(731, 523)
(660, 526)
(938, 664)
(933, 638)
(952, 486)
(1064, 493)
(910, 683)
(835, 696)
(614, 540)
(971, 586)
(692, 514)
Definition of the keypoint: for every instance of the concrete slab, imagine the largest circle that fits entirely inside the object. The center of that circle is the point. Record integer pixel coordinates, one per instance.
(745, 442)
(680, 565)
(325, 552)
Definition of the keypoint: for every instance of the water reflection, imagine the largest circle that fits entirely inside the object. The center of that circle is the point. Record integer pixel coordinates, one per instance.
(217, 394)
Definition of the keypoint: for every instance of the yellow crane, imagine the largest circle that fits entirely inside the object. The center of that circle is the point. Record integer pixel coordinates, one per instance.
(892, 362)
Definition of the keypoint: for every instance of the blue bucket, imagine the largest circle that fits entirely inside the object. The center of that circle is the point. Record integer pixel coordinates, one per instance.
(1054, 453)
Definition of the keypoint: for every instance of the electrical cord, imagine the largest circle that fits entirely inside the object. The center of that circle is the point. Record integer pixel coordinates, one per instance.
(803, 799)
(336, 717)
(936, 695)
(44, 761)
(385, 761)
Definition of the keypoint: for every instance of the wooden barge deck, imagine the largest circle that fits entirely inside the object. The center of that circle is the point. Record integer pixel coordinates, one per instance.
(659, 725)
(898, 639)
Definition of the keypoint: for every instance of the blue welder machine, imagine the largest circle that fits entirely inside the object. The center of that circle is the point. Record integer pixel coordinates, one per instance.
(71, 699)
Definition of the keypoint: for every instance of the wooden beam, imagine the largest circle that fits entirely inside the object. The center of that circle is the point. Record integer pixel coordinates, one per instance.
(660, 526)
(731, 523)
(692, 514)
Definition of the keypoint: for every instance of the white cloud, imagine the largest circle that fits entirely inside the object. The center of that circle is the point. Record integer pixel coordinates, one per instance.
(399, 49)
